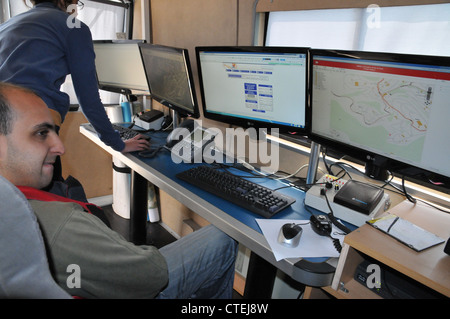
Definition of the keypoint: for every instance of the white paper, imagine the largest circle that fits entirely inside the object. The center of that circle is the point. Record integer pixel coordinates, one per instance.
(406, 232)
(311, 244)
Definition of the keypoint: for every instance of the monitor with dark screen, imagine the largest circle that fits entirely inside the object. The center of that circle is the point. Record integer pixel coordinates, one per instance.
(169, 77)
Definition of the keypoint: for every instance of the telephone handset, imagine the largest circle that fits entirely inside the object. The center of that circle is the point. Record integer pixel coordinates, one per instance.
(177, 134)
(188, 141)
(321, 225)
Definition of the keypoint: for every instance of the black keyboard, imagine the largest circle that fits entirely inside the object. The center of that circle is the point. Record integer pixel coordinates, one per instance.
(125, 132)
(256, 198)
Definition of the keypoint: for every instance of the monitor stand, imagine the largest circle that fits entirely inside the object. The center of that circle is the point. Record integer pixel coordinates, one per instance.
(376, 169)
(314, 156)
(175, 119)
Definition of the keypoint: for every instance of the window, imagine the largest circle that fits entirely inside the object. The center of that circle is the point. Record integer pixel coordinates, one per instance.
(105, 22)
(423, 29)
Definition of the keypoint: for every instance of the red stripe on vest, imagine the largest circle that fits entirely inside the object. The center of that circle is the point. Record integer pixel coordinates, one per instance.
(37, 194)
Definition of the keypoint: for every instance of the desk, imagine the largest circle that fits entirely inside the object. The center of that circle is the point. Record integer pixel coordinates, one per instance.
(238, 223)
(430, 267)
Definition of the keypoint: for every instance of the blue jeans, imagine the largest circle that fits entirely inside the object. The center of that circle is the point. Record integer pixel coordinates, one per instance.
(201, 265)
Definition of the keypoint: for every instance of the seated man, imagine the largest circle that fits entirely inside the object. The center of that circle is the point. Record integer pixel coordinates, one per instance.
(200, 265)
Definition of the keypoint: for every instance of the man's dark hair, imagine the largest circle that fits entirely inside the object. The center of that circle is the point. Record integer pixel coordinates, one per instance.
(42, 1)
(6, 113)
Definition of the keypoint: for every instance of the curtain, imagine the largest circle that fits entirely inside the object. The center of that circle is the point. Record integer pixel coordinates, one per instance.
(423, 29)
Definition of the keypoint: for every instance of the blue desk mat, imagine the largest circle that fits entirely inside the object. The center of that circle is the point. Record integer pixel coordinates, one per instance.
(163, 162)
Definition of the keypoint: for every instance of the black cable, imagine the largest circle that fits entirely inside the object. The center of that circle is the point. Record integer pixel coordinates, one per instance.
(408, 196)
(402, 192)
(324, 154)
(333, 219)
(340, 164)
(336, 244)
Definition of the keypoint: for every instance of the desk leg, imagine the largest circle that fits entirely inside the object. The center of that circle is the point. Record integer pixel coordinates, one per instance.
(138, 209)
(260, 278)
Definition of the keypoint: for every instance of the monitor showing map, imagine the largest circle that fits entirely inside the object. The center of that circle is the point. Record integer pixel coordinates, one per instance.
(169, 78)
(388, 110)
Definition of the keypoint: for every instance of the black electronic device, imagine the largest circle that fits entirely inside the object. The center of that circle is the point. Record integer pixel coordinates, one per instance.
(256, 198)
(179, 133)
(151, 116)
(321, 225)
(169, 77)
(359, 196)
(387, 110)
(390, 283)
(119, 66)
(150, 120)
(261, 87)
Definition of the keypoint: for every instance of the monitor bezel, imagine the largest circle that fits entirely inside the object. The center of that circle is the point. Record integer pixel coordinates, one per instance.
(244, 122)
(119, 89)
(181, 111)
(372, 159)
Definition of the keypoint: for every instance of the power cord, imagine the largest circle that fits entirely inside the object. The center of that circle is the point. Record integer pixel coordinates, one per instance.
(331, 214)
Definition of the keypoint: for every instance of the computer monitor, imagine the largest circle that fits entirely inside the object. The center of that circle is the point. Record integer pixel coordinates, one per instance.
(119, 66)
(389, 110)
(169, 76)
(262, 87)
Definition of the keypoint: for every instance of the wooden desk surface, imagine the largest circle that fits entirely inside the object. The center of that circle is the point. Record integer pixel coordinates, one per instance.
(431, 267)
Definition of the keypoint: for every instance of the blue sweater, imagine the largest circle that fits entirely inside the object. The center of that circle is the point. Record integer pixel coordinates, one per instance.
(39, 48)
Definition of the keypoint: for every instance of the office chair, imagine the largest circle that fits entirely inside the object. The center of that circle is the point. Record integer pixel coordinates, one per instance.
(24, 269)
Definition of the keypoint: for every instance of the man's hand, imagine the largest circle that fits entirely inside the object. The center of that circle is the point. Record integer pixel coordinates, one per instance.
(138, 143)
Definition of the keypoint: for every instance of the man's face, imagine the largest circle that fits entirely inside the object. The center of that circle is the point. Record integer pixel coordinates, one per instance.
(28, 153)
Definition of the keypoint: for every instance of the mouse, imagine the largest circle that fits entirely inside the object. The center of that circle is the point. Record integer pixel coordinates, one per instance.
(290, 234)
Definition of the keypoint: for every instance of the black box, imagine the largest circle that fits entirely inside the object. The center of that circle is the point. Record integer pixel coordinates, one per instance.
(151, 116)
(359, 196)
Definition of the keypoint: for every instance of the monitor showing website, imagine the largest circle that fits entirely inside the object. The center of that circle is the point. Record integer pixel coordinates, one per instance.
(265, 85)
